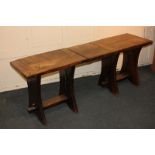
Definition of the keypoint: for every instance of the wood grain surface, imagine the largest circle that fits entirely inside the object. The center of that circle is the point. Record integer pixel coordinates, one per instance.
(60, 59)
(46, 62)
(91, 51)
(122, 42)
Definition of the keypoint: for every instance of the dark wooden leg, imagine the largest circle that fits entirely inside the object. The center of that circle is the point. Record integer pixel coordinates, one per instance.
(67, 87)
(70, 89)
(62, 88)
(35, 101)
(153, 63)
(130, 65)
(108, 73)
(124, 64)
(103, 79)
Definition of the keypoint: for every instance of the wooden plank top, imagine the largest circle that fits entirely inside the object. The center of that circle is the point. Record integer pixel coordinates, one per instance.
(46, 62)
(122, 42)
(90, 51)
(60, 59)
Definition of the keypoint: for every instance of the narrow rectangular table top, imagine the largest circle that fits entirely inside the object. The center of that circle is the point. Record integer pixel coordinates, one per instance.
(60, 59)
(46, 62)
(91, 51)
(122, 42)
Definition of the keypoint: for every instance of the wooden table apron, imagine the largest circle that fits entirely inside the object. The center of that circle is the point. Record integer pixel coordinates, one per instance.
(67, 60)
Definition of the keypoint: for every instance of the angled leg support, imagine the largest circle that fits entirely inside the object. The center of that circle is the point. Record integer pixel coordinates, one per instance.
(35, 101)
(108, 73)
(130, 65)
(67, 87)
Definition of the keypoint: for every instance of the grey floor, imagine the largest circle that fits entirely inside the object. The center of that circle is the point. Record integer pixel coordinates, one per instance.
(133, 108)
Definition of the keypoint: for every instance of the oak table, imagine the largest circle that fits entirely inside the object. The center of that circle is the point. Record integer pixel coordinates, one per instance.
(64, 60)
